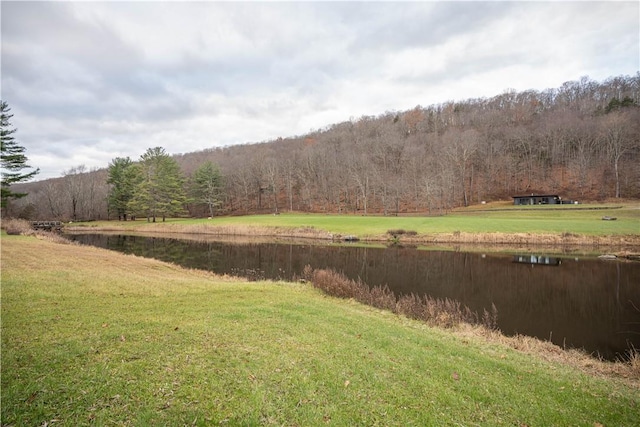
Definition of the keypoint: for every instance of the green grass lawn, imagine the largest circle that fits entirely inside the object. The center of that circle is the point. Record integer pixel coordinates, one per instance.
(507, 219)
(92, 337)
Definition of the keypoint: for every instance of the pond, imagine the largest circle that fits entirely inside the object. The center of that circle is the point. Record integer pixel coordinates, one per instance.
(574, 301)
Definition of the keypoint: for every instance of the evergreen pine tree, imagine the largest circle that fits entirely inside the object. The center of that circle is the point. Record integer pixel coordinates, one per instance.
(13, 158)
(159, 187)
(207, 186)
(122, 172)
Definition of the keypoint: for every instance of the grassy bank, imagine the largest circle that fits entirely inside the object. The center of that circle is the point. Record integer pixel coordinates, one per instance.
(91, 337)
(535, 225)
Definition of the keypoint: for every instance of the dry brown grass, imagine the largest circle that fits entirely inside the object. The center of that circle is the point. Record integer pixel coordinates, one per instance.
(245, 230)
(53, 237)
(21, 227)
(626, 370)
(522, 239)
(445, 313)
(16, 227)
(516, 240)
(634, 362)
(212, 230)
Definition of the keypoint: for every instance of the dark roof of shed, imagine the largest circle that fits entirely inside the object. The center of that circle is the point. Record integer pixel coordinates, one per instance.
(534, 195)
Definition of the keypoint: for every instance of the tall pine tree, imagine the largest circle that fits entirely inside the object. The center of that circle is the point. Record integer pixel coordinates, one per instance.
(207, 186)
(122, 172)
(13, 158)
(159, 187)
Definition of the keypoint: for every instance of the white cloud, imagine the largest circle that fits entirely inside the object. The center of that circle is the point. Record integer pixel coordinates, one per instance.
(91, 81)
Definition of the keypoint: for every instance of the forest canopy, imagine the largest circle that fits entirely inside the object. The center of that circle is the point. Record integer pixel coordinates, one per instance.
(581, 141)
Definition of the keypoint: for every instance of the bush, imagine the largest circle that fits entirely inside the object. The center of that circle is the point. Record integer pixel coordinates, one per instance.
(396, 233)
(399, 232)
(17, 227)
(23, 227)
(439, 312)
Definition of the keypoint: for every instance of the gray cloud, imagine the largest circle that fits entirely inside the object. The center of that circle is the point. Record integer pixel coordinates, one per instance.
(400, 26)
(91, 81)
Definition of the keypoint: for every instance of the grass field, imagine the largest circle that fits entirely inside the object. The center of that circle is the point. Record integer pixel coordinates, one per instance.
(507, 221)
(92, 337)
(496, 223)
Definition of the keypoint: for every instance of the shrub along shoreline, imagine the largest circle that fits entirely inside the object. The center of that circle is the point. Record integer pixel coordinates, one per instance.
(91, 336)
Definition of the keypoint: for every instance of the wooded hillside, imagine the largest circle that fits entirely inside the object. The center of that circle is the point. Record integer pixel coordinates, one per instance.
(581, 141)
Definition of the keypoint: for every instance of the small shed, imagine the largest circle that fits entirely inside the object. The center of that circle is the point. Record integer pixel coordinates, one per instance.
(537, 199)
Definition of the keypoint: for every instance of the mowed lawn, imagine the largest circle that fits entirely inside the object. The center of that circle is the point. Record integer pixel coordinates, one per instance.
(587, 222)
(578, 220)
(92, 337)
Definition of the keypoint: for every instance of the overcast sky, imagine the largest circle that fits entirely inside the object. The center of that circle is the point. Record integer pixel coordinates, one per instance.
(88, 82)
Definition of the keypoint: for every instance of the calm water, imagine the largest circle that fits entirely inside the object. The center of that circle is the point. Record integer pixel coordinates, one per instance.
(576, 302)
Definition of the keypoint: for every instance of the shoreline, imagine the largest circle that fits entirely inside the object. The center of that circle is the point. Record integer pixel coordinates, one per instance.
(565, 243)
(624, 370)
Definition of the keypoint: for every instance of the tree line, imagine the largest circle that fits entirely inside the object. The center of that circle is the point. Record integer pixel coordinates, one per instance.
(155, 186)
(580, 140)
